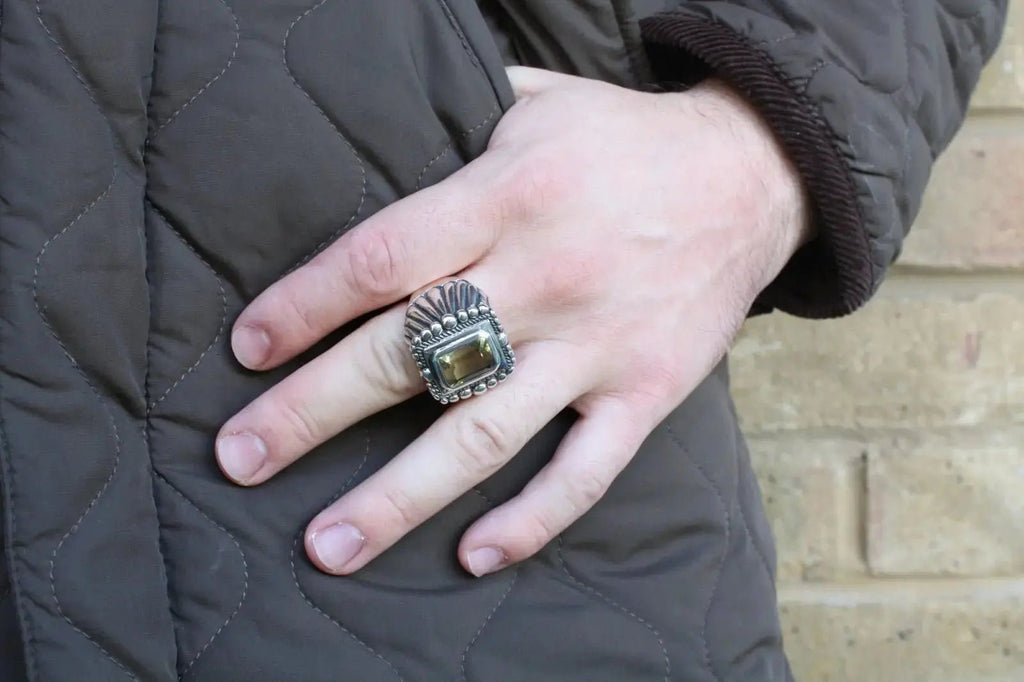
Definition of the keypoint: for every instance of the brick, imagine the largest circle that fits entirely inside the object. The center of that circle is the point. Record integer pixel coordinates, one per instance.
(811, 489)
(971, 215)
(1002, 81)
(906, 632)
(947, 503)
(909, 359)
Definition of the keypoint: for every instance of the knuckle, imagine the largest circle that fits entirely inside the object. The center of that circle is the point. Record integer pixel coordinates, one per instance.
(573, 283)
(664, 380)
(403, 507)
(295, 309)
(375, 263)
(535, 185)
(586, 488)
(302, 426)
(540, 529)
(393, 373)
(483, 444)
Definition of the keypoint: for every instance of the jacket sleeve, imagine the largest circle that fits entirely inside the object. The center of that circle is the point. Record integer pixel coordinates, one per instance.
(863, 94)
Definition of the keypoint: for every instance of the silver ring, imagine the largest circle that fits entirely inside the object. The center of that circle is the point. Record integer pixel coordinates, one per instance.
(457, 341)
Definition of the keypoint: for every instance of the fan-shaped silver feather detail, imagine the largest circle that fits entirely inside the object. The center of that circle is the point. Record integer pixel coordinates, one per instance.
(457, 341)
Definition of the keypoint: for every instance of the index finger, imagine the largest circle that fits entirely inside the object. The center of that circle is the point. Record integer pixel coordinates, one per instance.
(421, 238)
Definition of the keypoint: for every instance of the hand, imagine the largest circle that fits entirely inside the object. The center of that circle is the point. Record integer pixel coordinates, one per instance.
(621, 236)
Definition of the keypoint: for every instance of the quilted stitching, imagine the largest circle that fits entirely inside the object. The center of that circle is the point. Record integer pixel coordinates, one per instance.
(206, 86)
(222, 325)
(362, 169)
(67, 353)
(590, 589)
(152, 404)
(245, 576)
(497, 605)
(448, 145)
(727, 522)
(305, 597)
(184, 398)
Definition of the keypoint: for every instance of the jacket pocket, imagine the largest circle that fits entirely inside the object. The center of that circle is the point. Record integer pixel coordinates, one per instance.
(476, 37)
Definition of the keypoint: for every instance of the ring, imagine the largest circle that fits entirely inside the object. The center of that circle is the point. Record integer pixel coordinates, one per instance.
(457, 341)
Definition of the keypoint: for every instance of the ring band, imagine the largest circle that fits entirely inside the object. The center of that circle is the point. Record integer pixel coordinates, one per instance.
(457, 341)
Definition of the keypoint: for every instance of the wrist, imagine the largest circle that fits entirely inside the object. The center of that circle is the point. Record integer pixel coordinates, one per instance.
(786, 212)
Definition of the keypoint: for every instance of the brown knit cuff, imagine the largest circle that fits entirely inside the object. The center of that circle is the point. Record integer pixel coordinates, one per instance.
(832, 275)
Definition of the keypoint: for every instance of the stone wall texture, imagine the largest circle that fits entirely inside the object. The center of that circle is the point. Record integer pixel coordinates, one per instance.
(890, 444)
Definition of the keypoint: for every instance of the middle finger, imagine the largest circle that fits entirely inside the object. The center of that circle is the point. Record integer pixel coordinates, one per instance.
(466, 445)
(368, 371)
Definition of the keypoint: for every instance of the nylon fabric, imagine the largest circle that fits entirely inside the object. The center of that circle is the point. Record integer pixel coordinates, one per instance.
(161, 164)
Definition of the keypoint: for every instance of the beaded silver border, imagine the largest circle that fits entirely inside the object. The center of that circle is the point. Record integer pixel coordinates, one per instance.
(446, 313)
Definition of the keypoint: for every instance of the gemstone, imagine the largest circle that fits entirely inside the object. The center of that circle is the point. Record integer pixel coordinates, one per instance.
(466, 360)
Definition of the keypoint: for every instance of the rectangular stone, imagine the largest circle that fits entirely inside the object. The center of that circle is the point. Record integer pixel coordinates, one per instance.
(967, 631)
(914, 357)
(947, 503)
(973, 212)
(812, 491)
(1002, 81)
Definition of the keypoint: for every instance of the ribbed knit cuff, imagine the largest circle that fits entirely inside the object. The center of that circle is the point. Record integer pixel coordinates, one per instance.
(833, 274)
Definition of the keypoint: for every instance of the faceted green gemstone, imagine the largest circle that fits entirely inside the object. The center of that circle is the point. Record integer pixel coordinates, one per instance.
(470, 358)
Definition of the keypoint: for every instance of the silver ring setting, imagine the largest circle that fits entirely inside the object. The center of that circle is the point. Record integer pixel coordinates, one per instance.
(457, 341)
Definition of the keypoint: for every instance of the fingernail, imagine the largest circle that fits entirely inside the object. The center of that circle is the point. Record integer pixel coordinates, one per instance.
(485, 560)
(251, 346)
(336, 545)
(241, 455)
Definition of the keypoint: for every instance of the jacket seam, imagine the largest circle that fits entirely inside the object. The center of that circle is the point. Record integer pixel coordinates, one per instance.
(152, 404)
(629, 50)
(7, 485)
(908, 94)
(11, 528)
(471, 52)
(146, 423)
(245, 575)
(71, 359)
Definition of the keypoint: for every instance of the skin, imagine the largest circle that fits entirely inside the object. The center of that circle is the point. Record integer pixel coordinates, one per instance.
(585, 188)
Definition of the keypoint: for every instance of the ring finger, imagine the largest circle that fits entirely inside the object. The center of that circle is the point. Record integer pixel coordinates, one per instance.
(466, 445)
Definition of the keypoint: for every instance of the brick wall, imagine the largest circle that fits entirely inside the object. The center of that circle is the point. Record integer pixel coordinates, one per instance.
(890, 444)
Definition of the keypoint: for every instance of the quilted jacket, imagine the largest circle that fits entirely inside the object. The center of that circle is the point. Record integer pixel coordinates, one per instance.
(162, 162)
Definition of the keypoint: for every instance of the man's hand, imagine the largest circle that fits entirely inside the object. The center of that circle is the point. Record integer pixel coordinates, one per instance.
(622, 237)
